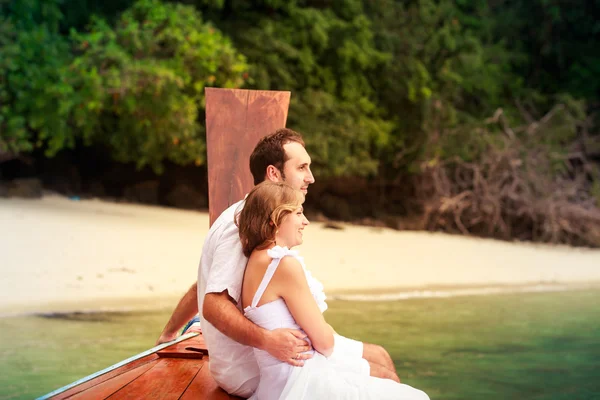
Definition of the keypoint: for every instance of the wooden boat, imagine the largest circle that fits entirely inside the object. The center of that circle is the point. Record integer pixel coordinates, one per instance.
(235, 121)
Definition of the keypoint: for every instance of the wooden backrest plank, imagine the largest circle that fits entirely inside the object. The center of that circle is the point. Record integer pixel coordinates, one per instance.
(235, 120)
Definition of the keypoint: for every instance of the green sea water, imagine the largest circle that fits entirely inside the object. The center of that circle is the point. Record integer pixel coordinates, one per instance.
(511, 346)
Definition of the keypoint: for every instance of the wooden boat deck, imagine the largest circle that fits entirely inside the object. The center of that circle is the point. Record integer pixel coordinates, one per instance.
(178, 372)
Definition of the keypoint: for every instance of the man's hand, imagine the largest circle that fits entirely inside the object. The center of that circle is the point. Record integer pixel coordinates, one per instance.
(288, 345)
(164, 338)
(186, 309)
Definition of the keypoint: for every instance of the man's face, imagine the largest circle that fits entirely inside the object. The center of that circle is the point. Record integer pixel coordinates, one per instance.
(296, 170)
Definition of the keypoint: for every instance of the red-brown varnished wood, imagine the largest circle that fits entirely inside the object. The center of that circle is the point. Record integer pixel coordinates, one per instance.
(167, 380)
(113, 385)
(235, 121)
(204, 387)
(191, 348)
(109, 375)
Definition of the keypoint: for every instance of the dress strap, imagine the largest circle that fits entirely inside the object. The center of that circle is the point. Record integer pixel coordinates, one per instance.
(276, 253)
(265, 281)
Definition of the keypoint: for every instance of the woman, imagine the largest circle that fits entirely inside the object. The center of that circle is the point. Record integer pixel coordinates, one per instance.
(278, 292)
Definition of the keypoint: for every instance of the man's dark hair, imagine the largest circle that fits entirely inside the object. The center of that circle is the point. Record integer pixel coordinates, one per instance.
(269, 151)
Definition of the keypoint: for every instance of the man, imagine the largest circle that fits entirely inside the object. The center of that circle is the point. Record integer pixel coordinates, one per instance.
(230, 337)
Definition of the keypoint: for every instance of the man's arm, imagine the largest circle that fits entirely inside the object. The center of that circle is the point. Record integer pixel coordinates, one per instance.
(284, 344)
(186, 309)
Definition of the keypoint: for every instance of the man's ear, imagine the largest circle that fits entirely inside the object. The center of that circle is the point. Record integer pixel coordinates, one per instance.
(273, 174)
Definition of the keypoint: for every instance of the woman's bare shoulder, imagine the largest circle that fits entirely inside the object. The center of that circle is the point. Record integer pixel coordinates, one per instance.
(290, 267)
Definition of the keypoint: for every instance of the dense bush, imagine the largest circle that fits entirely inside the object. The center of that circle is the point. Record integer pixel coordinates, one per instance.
(136, 88)
(32, 55)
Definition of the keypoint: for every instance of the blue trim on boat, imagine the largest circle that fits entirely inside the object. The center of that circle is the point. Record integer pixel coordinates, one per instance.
(117, 365)
(190, 323)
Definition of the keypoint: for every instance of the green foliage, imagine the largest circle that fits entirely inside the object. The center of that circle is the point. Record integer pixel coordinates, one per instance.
(32, 89)
(324, 56)
(140, 85)
(379, 87)
(556, 43)
(343, 138)
(441, 76)
(136, 88)
(30, 14)
(78, 13)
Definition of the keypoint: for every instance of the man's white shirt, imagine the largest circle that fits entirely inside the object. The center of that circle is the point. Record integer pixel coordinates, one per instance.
(222, 266)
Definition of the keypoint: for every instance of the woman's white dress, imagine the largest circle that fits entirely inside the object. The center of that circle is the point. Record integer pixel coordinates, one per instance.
(320, 377)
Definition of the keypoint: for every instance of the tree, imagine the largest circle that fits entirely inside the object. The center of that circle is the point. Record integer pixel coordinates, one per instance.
(322, 52)
(140, 85)
(32, 89)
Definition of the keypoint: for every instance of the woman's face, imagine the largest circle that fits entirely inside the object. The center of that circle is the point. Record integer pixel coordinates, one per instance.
(290, 231)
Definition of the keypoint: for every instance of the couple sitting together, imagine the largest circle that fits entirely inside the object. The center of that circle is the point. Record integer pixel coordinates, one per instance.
(261, 309)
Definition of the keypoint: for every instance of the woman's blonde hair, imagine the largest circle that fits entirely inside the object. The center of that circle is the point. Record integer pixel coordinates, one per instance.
(265, 208)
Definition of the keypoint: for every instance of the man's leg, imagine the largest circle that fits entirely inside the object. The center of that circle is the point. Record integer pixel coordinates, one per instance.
(376, 354)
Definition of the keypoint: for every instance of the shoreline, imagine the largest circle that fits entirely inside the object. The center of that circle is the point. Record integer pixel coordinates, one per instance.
(58, 254)
(135, 305)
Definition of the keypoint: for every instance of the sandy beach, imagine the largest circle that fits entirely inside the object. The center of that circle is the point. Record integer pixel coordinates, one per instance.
(58, 254)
